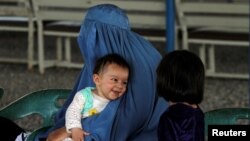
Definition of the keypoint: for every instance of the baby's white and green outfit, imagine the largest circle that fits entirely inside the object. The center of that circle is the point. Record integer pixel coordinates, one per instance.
(84, 104)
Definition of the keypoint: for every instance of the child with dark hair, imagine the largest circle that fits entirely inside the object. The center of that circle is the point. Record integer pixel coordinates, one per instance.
(110, 75)
(180, 81)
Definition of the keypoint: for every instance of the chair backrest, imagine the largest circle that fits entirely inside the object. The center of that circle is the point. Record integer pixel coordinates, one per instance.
(62, 13)
(44, 102)
(226, 116)
(60, 10)
(219, 14)
(15, 8)
(142, 14)
(17, 16)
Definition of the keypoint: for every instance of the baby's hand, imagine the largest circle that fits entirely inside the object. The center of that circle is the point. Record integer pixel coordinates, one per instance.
(78, 134)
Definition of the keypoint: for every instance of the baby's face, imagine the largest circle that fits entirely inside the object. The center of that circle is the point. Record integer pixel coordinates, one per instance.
(112, 82)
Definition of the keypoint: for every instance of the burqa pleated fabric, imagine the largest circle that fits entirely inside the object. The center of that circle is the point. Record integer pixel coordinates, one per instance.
(134, 116)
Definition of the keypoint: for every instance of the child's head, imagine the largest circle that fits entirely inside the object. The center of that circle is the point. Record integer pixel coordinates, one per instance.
(181, 77)
(111, 74)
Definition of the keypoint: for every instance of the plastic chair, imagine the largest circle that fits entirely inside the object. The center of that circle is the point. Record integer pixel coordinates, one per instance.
(44, 102)
(17, 16)
(226, 116)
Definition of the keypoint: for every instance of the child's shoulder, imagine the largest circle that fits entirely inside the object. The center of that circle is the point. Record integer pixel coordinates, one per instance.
(85, 89)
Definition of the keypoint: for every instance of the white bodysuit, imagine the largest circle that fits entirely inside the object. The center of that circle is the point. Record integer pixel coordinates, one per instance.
(84, 104)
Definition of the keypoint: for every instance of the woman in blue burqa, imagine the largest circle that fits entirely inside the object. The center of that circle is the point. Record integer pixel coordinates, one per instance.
(135, 116)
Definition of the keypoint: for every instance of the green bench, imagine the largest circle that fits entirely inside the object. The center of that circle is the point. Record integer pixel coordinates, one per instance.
(43, 102)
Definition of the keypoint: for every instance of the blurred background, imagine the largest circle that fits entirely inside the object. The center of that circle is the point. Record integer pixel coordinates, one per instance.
(17, 80)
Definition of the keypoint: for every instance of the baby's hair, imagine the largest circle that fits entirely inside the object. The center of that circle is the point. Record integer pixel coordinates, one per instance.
(181, 77)
(102, 62)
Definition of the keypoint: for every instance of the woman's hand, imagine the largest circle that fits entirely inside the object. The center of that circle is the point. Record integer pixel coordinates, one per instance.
(78, 134)
(58, 134)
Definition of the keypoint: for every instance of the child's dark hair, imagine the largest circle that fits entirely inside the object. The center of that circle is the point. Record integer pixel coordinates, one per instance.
(181, 77)
(102, 62)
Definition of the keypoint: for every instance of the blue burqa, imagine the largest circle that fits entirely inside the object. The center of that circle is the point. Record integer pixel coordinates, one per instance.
(135, 116)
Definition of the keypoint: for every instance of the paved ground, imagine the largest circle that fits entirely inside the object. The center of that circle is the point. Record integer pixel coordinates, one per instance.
(17, 80)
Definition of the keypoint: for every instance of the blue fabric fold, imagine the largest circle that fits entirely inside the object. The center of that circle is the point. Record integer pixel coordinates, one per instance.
(134, 116)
